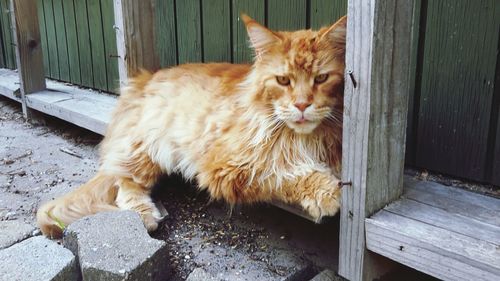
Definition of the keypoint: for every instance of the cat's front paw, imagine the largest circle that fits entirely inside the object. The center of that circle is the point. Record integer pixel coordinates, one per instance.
(326, 202)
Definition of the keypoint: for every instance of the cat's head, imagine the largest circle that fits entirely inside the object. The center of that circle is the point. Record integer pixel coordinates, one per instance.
(301, 73)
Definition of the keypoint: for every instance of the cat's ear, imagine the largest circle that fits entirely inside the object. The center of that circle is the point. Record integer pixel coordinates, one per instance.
(335, 33)
(261, 37)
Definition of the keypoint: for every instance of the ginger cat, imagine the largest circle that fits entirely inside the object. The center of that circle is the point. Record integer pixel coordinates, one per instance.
(246, 133)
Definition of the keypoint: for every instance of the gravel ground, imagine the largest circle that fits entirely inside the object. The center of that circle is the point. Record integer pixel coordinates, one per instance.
(260, 242)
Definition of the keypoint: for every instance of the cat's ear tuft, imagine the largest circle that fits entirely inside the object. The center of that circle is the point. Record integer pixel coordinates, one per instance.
(335, 33)
(261, 37)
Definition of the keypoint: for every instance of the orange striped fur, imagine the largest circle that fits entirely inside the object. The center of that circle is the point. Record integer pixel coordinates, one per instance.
(246, 133)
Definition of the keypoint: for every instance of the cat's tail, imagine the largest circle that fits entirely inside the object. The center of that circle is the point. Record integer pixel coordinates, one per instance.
(97, 195)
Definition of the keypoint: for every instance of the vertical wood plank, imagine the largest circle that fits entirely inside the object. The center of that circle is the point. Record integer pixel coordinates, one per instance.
(189, 26)
(166, 37)
(216, 15)
(457, 86)
(62, 45)
(108, 23)
(326, 12)
(10, 58)
(495, 179)
(378, 54)
(254, 9)
(289, 15)
(97, 44)
(43, 36)
(72, 41)
(415, 65)
(28, 48)
(135, 37)
(84, 47)
(2, 55)
(51, 39)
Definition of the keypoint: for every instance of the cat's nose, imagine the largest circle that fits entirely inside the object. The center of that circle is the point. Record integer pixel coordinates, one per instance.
(302, 106)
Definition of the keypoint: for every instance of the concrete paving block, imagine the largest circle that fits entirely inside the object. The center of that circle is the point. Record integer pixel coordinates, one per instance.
(14, 231)
(116, 246)
(37, 259)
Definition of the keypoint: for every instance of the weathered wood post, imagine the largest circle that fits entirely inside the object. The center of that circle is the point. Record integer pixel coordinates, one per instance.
(135, 37)
(29, 57)
(376, 97)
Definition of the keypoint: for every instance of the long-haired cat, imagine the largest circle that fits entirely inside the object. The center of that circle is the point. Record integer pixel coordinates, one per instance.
(246, 133)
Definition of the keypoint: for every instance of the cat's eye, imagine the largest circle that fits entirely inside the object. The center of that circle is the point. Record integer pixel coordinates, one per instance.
(283, 80)
(320, 78)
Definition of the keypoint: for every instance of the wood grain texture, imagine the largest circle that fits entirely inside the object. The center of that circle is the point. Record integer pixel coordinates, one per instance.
(62, 44)
(51, 39)
(135, 37)
(457, 86)
(83, 107)
(496, 160)
(97, 44)
(216, 25)
(463, 197)
(111, 54)
(189, 41)
(72, 41)
(43, 37)
(378, 48)
(415, 67)
(2, 56)
(437, 251)
(166, 36)
(256, 10)
(289, 15)
(28, 49)
(9, 84)
(8, 40)
(326, 12)
(84, 44)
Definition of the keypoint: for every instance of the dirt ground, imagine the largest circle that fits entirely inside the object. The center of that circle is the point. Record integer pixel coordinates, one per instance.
(260, 242)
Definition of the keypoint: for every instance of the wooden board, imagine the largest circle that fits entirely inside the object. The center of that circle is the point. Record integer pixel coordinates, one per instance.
(97, 44)
(29, 61)
(375, 108)
(216, 16)
(254, 9)
(189, 41)
(166, 35)
(111, 53)
(457, 86)
(289, 15)
(326, 12)
(62, 45)
(72, 41)
(415, 67)
(83, 107)
(495, 177)
(84, 47)
(8, 42)
(51, 39)
(434, 250)
(43, 34)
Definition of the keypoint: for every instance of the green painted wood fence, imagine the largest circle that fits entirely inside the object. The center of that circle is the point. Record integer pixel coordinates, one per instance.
(453, 122)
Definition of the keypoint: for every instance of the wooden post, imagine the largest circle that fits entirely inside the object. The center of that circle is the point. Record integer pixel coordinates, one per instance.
(29, 57)
(376, 97)
(135, 37)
